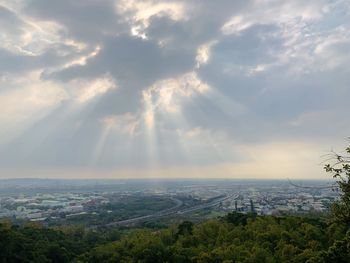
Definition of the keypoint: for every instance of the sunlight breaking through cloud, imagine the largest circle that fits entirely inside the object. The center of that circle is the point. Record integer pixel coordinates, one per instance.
(152, 85)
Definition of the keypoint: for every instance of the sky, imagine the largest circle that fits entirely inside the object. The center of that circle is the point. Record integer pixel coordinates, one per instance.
(178, 88)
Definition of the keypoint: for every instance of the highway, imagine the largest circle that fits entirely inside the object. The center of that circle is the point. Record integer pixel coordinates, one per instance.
(168, 211)
(202, 206)
(173, 210)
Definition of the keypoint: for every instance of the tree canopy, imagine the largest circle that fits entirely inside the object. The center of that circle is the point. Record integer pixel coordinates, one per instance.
(340, 169)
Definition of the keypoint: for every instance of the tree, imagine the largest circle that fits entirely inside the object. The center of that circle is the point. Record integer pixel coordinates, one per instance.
(238, 218)
(185, 228)
(339, 251)
(340, 169)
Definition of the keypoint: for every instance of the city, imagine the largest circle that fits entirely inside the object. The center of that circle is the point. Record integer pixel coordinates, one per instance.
(131, 202)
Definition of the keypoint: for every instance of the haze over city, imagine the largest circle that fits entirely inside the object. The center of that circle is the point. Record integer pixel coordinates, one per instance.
(172, 89)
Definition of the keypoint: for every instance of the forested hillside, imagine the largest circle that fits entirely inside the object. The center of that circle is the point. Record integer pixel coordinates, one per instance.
(234, 238)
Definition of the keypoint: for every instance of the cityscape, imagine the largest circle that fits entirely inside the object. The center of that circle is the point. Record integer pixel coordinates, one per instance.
(130, 202)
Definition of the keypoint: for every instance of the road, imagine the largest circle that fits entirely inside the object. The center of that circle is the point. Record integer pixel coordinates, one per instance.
(202, 206)
(168, 211)
(173, 210)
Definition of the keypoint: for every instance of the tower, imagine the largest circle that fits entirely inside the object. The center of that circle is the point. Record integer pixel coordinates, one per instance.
(251, 206)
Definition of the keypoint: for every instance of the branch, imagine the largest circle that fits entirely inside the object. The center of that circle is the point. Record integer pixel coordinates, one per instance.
(334, 185)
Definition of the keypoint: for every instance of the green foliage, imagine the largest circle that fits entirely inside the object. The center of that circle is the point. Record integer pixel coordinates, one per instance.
(185, 228)
(339, 251)
(238, 218)
(34, 243)
(263, 239)
(340, 169)
(234, 238)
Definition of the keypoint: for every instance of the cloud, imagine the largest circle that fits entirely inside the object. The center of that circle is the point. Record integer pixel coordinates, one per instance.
(132, 61)
(11, 22)
(25, 101)
(167, 94)
(130, 84)
(126, 123)
(140, 12)
(86, 21)
(272, 66)
(84, 91)
(285, 14)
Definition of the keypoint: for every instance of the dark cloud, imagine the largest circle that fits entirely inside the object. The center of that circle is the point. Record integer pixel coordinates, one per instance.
(207, 17)
(87, 21)
(10, 22)
(54, 56)
(12, 62)
(202, 24)
(133, 62)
